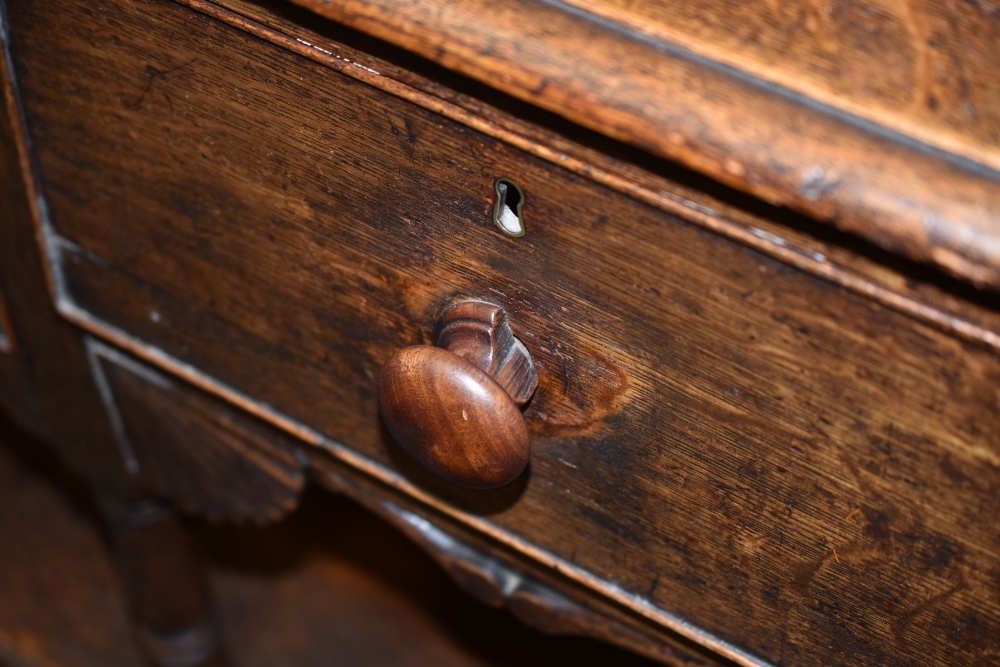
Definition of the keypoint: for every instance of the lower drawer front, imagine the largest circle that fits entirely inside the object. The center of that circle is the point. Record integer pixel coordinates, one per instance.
(715, 436)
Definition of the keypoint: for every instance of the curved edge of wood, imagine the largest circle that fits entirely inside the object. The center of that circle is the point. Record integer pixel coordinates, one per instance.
(908, 197)
(497, 582)
(196, 452)
(489, 577)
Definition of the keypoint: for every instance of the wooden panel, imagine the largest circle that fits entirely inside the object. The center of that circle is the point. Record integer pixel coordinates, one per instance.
(791, 238)
(294, 593)
(925, 69)
(46, 387)
(909, 197)
(541, 599)
(202, 455)
(918, 291)
(791, 467)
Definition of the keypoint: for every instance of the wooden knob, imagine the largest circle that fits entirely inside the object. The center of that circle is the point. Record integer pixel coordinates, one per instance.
(456, 407)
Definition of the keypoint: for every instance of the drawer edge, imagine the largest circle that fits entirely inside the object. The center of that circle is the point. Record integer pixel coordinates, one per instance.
(344, 454)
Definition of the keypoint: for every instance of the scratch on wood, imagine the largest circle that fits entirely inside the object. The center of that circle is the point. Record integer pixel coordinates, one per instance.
(154, 73)
(653, 586)
(905, 620)
(854, 512)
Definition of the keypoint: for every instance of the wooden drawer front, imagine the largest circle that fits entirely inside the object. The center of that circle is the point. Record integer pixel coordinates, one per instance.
(717, 438)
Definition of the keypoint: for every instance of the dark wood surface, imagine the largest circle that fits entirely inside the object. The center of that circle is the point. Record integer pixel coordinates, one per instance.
(795, 240)
(214, 483)
(718, 438)
(61, 602)
(45, 382)
(479, 332)
(924, 69)
(297, 593)
(540, 597)
(48, 387)
(168, 593)
(184, 445)
(880, 118)
(6, 342)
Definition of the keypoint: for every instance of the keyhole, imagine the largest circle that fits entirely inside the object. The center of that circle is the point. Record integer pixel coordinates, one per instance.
(507, 210)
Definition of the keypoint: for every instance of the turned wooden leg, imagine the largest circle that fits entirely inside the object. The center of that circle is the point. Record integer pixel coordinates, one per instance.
(167, 585)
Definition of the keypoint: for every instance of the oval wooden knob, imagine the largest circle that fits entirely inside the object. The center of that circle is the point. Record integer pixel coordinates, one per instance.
(457, 410)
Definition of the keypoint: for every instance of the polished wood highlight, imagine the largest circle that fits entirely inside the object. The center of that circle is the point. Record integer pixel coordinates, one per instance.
(479, 332)
(456, 407)
(453, 418)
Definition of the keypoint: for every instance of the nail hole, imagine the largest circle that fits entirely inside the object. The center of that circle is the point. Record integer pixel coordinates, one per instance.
(507, 209)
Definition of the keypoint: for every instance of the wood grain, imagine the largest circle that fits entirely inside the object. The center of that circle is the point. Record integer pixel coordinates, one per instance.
(909, 197)
(452, 417)
(47, 387)
(154, 549)
(818, 249)
(708, 420)
(291, 593)
(208, 459)
(494, 578)
(456, 407)
(925, 69)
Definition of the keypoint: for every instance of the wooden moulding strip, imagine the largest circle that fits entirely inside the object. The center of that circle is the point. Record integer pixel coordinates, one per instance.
(904, 195)
(778, 73)
(765, 243)
(39, 213)
(192, 375)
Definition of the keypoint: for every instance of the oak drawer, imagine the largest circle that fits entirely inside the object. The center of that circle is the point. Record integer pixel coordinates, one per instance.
(718, 439)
